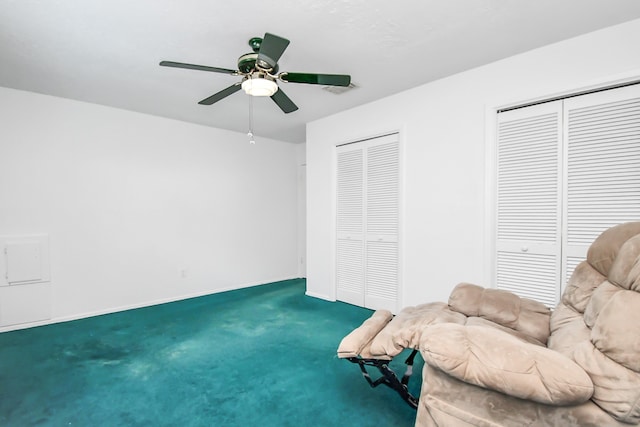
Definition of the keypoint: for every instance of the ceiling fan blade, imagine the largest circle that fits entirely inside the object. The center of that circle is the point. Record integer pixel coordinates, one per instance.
(283, 101)
(196, 67)
(221, 95)
(271, 50)
(317, 79)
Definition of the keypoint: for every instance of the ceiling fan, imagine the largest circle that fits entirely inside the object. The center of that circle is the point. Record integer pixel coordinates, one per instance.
(259, 71)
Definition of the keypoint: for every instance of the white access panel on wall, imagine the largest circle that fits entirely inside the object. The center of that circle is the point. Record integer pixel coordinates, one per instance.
(368, 223)
(25, 281)
(25, 259)
(24, 262)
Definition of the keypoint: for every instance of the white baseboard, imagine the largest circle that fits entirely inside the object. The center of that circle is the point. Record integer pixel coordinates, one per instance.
(319, 296)
(135, 306)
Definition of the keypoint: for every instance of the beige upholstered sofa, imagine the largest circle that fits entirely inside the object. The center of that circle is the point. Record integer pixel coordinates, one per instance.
(494, 359)
(588, 374)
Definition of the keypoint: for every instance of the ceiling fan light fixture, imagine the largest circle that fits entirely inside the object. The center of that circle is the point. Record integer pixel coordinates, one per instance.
(259, 86)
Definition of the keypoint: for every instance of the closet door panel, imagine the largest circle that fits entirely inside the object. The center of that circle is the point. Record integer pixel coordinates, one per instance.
(350, 225)
(382, 223)
(530, 275)
(603, 165)
(529, 201)
(382, 275)
(350, 271)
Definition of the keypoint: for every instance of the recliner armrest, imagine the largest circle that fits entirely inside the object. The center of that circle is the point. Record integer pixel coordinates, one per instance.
(495, 360)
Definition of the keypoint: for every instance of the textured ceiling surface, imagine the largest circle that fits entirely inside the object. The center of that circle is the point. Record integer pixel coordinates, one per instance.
(107, 51)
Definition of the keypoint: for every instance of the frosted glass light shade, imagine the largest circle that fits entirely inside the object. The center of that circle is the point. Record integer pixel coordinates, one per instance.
(259, 87)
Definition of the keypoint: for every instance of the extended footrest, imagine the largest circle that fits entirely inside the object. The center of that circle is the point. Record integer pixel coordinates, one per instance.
(389, 378)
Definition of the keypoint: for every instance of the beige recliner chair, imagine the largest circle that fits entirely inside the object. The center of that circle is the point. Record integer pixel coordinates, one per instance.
(494, 359)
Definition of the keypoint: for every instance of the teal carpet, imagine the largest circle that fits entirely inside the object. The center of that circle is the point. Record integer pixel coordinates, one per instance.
(262, 356)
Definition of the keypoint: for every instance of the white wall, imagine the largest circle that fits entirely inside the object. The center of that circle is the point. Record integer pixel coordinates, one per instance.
(443, 130)
(130, 201)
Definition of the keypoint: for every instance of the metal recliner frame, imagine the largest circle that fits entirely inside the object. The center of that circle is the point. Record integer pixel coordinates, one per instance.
(389, 378)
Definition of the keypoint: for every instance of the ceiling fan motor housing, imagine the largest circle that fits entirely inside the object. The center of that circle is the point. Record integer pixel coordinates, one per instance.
(247, 63)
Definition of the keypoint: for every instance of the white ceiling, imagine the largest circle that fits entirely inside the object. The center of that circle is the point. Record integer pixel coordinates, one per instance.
(107, 51)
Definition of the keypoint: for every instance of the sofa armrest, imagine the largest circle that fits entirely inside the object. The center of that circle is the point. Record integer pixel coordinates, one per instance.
(494, 360)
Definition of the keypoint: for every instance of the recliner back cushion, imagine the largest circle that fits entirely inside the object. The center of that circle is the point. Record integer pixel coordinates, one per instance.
(567, 330)
(625, 271)
(567, 324)
(623, 274)
(599, 299)
(624, 268)
(612, 355)
(604, 250)
(633, 279)
(616, 332)
(584, 280)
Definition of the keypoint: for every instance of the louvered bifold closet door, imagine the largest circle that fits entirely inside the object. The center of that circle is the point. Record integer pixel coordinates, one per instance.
(382, 223)
(350, 224)
(603, 167)
(528, 242)
(368, 223)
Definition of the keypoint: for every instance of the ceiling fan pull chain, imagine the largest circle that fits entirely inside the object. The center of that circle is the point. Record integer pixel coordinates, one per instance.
(250, 133)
